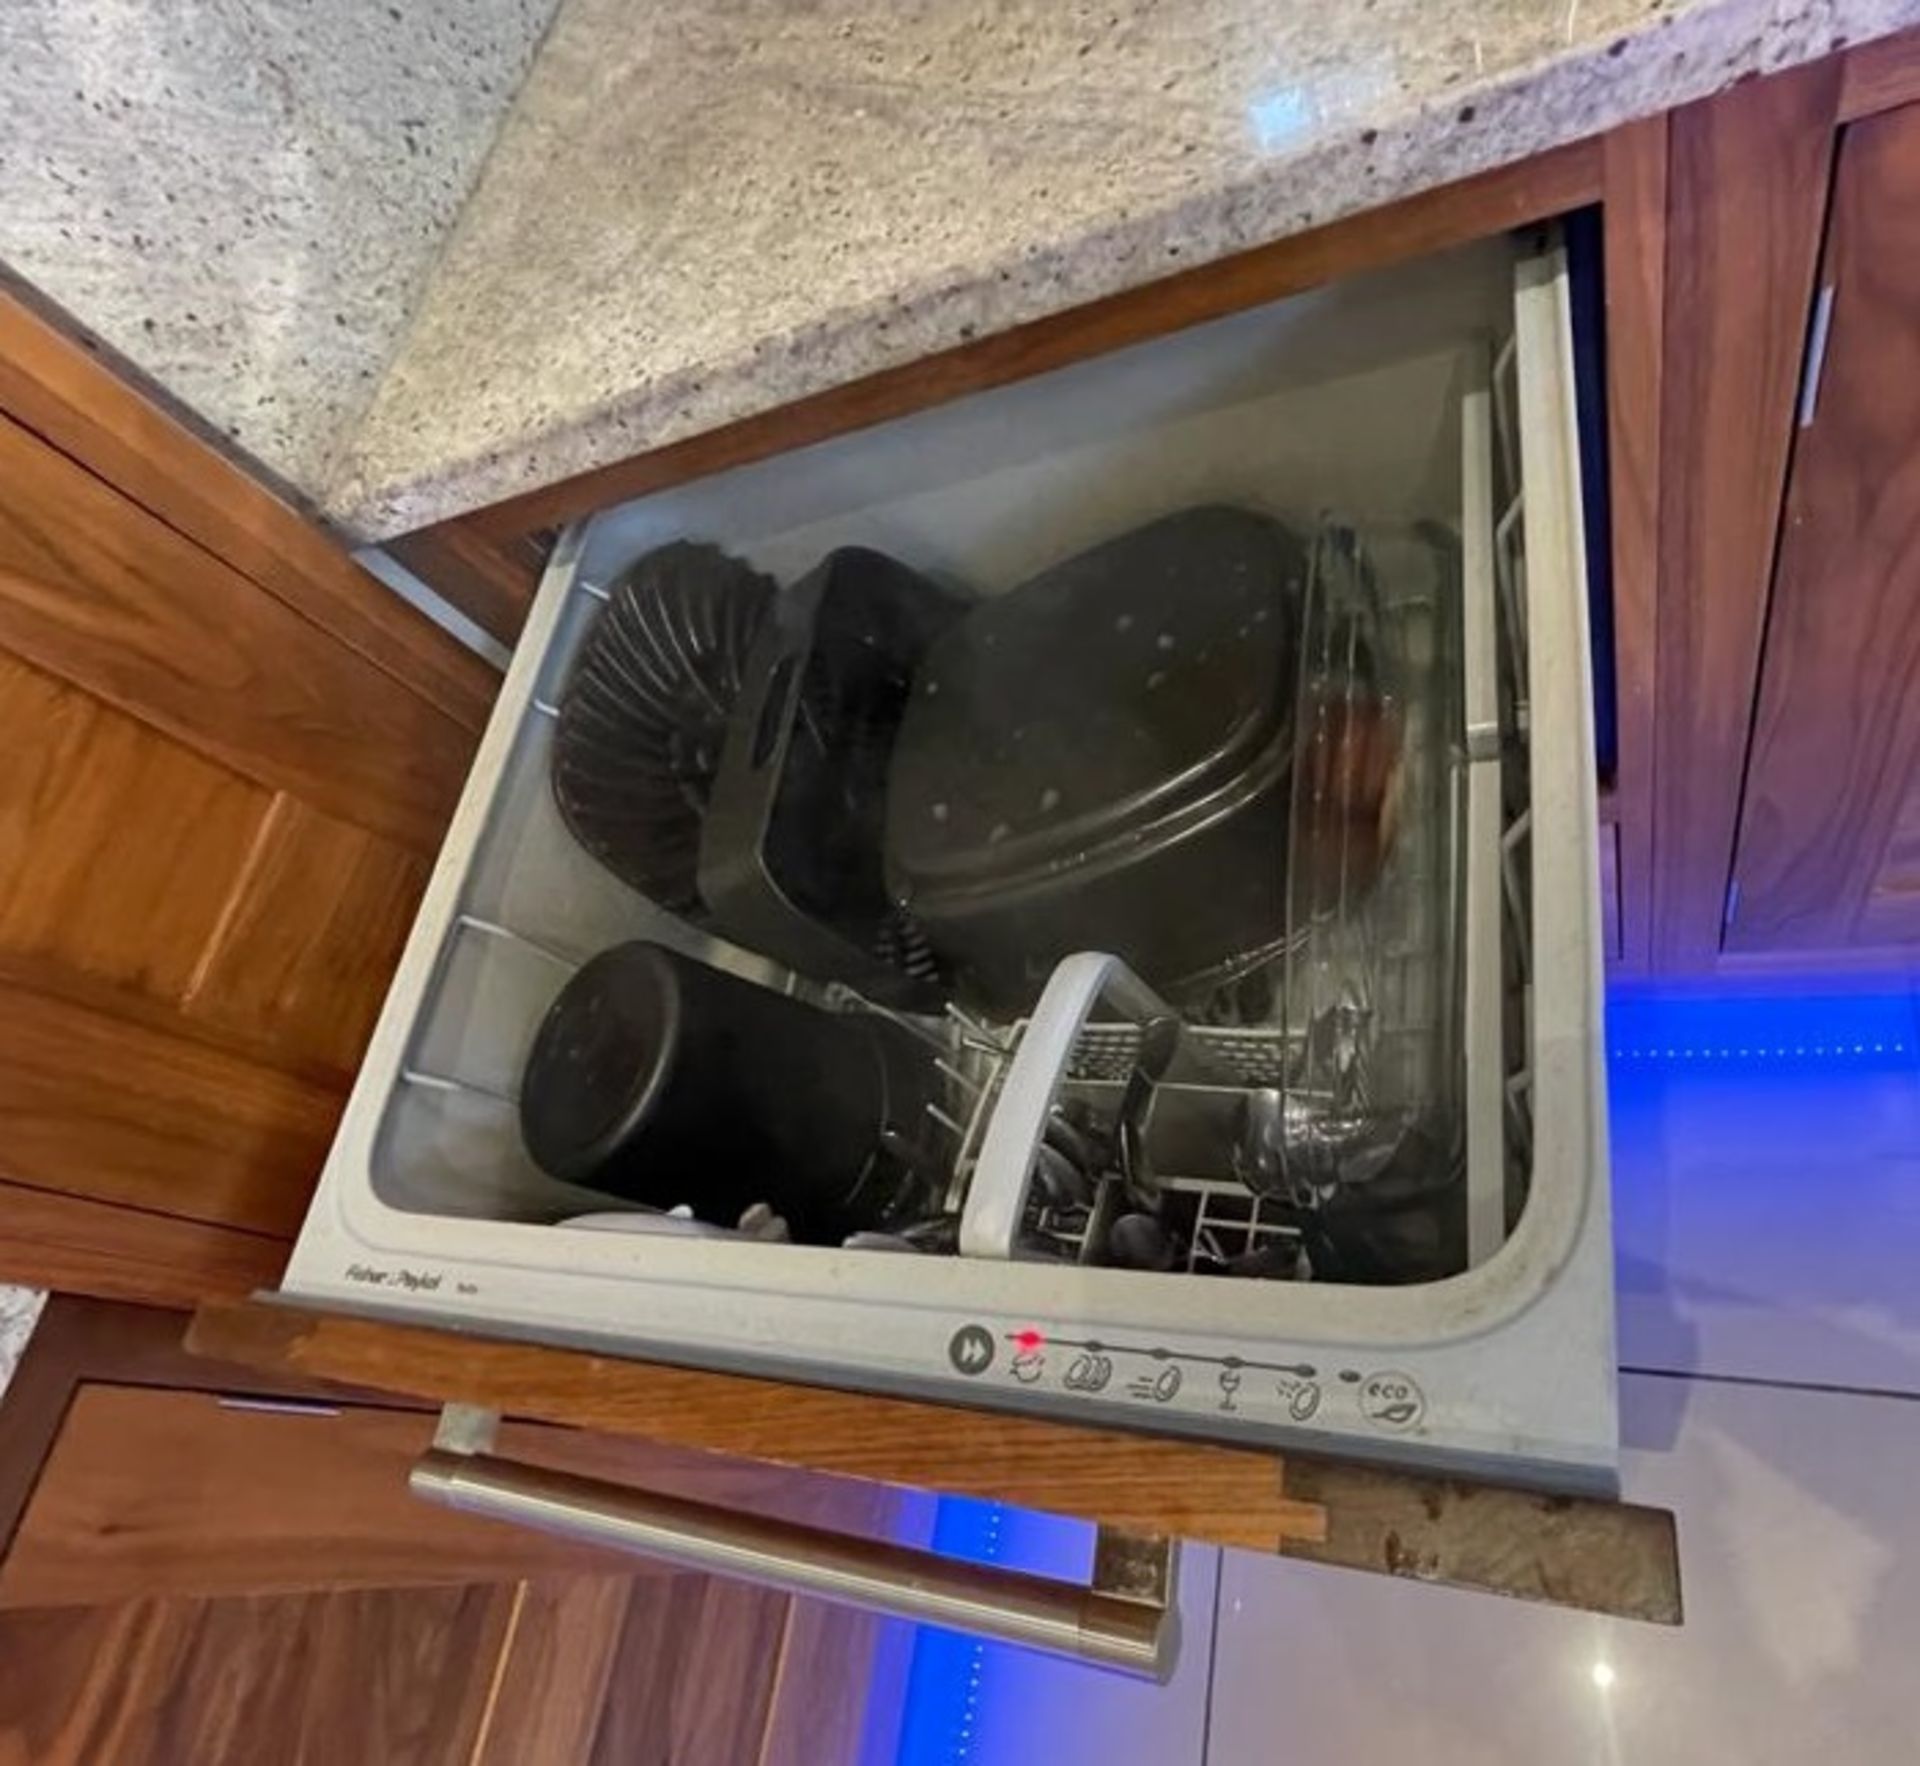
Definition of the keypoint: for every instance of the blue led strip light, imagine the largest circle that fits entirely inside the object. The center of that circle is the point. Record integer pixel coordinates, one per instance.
(943, 1685)
(1730, 1029)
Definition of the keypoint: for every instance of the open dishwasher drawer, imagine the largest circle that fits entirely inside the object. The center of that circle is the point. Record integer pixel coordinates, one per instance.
(1340, 1182)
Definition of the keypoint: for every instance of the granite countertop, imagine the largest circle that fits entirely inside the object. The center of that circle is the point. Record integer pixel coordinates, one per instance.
(704, 211)
(415, 258)
(243, 198)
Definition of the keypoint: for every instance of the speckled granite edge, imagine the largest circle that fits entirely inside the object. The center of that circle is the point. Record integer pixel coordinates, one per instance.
(19, 1313)
(245, 200)
(1477, 126)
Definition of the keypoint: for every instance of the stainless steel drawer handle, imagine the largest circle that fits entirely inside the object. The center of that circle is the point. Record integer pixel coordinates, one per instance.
(1126, 1619)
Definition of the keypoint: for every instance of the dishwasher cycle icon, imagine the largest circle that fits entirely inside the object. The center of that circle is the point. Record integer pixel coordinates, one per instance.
(1392, 1401)
(1300, 1395)
(1155, 1388)
(1088, 1372)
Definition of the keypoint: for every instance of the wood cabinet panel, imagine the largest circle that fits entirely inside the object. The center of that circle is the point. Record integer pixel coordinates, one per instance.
(1634, 164)
(398, 1677)
(1892, 913)
(127, 861)
(1612, 943)
(553, 1684)
(180, 1493)
(492, 581)
(825, 1676)
(96, 591)
(654, 1669)
(230, 755)
(79, 1342)
(379, 1675)
(118, 847)
(74, 1245)
(148, 1492)
(139, 1488)
(189, 968)
(301, 961)
(51, 385)
(1880, 76)
(733, 1631)
(1747, 180)
(94, 1104)
(1836, 742)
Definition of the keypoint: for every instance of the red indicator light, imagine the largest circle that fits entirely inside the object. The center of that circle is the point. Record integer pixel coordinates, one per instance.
(1028, 1341)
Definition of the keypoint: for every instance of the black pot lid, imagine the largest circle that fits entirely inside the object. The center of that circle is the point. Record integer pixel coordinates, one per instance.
(1129, 684)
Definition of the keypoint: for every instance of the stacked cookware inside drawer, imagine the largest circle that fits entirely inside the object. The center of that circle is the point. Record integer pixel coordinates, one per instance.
(1214, 756)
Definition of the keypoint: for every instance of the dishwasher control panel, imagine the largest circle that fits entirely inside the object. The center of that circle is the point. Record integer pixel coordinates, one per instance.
(1156, 1375)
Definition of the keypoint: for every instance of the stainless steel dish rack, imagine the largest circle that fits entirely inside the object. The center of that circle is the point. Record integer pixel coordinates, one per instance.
(1390, 968)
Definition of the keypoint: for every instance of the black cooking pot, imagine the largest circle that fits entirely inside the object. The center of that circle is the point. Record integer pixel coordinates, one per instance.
(657, 1078)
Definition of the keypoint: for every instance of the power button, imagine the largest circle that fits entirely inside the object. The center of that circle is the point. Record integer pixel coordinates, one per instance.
(971, 1349)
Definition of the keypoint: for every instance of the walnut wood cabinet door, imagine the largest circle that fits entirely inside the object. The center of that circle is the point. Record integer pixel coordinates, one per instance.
(1829, 846)
(226, 760)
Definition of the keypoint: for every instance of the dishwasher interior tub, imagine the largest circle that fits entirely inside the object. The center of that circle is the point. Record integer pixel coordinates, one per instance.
(1432, 399)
